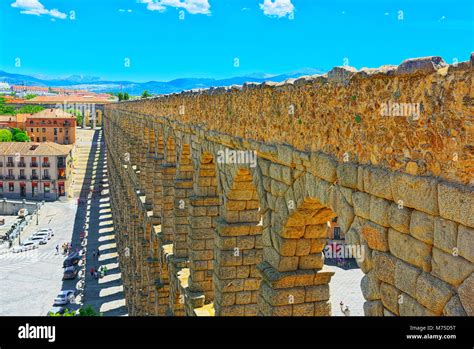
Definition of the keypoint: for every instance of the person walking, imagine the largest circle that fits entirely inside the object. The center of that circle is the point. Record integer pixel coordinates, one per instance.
(94, 254)
(345, 311)
(98, 253)
(105, 270)
(57, 249)
(92, 271)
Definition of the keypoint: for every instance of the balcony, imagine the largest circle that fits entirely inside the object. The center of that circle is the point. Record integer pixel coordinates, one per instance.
(61, 164)
(22, 177)
(34, 177)
(33, 164)
(1, 176)
(47, 177)
(21, 164)
(61, 176)
(45, 164)
(9, 177)
(1, 164)
(10, 164)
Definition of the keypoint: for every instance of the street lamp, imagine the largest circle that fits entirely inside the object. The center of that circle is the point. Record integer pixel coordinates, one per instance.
(37, 212)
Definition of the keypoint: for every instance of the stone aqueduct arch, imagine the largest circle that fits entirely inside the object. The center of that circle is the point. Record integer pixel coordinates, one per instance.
(201, 237)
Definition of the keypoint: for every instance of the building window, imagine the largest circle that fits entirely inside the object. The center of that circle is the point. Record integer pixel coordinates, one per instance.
(37, 139)
(56, 139)
(37, 130)
(46, 188)
(11, 186)
(60, 130)
(44, 139)
(55, 131)
(337, 233)
(1, 187)
(32, 130)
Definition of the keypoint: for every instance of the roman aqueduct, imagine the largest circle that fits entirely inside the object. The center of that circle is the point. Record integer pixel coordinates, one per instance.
(389, 151)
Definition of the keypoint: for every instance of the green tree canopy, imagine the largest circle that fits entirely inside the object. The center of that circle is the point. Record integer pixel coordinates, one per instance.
(146, 94)
(21, 137)
(30, 109)
(126, 97)
(120, 96)
(30, 96)
(5, 135)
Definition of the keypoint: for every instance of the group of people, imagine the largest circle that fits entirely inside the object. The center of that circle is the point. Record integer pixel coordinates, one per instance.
(66, 248)
(99, 272)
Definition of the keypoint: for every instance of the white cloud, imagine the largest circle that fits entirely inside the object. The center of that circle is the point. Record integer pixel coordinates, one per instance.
(192, 6)
(34, 7)
(123, 10)
(277, 8)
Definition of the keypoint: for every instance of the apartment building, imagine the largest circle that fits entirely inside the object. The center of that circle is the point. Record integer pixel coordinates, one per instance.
(35, 170)
(51, 125)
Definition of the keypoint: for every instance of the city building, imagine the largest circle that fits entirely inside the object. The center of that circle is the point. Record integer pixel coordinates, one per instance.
(51, 125)
(35, 170)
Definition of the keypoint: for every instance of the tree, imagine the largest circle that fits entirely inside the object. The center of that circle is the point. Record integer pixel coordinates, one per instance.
(21, 137)
(126, 97)
(120, 96)
(30, 96)
(89, 311)
(146, 94)
(30, 109)
(5, 135)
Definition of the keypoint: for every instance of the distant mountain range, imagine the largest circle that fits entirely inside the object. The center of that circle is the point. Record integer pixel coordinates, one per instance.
(95, 84)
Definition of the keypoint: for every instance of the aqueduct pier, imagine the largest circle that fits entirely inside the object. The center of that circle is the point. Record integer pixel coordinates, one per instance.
(388, 151)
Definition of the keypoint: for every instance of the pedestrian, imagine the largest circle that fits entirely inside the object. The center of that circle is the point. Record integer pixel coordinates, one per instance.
(98, 253)
(57, 249)
(92, 271)
(105, 270)
(95, 275)
(345, 311)
(93, 255)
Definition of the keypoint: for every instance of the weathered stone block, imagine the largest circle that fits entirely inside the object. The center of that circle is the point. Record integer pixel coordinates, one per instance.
(449, 268)
(376, 236)
(361, 204)
(422, 65)
(323, 166)
(370, 286)
(312, 261)
(278, 261)
(410, 307)
(347, 175)
(409, 249)
(454, 307)
(377, 182)
(379, 211)
(278, 297)
(384, 266)
(445, 234)
(422, 227)
(406, 276)
(433, 293)
(416, 192)
(456, 203)
(389, 296)
(373, 308)
(316, 293)
(466, 243)
(399, 218)
(466, 295)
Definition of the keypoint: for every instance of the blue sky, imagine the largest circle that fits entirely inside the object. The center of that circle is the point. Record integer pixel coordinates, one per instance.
(266, 36)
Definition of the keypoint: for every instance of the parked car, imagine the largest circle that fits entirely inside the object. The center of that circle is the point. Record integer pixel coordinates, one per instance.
(42, 240)
(64, 297)
(72, 260)
(45, 234)
(70, 273)
(57, 310)
(49, 230)
(26, 246)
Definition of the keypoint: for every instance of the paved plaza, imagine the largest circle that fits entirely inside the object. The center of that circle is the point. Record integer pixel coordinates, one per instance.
(29, 281)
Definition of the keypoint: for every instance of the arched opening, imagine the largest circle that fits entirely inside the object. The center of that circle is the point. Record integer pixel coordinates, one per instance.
(296, 279)
(238, 249)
